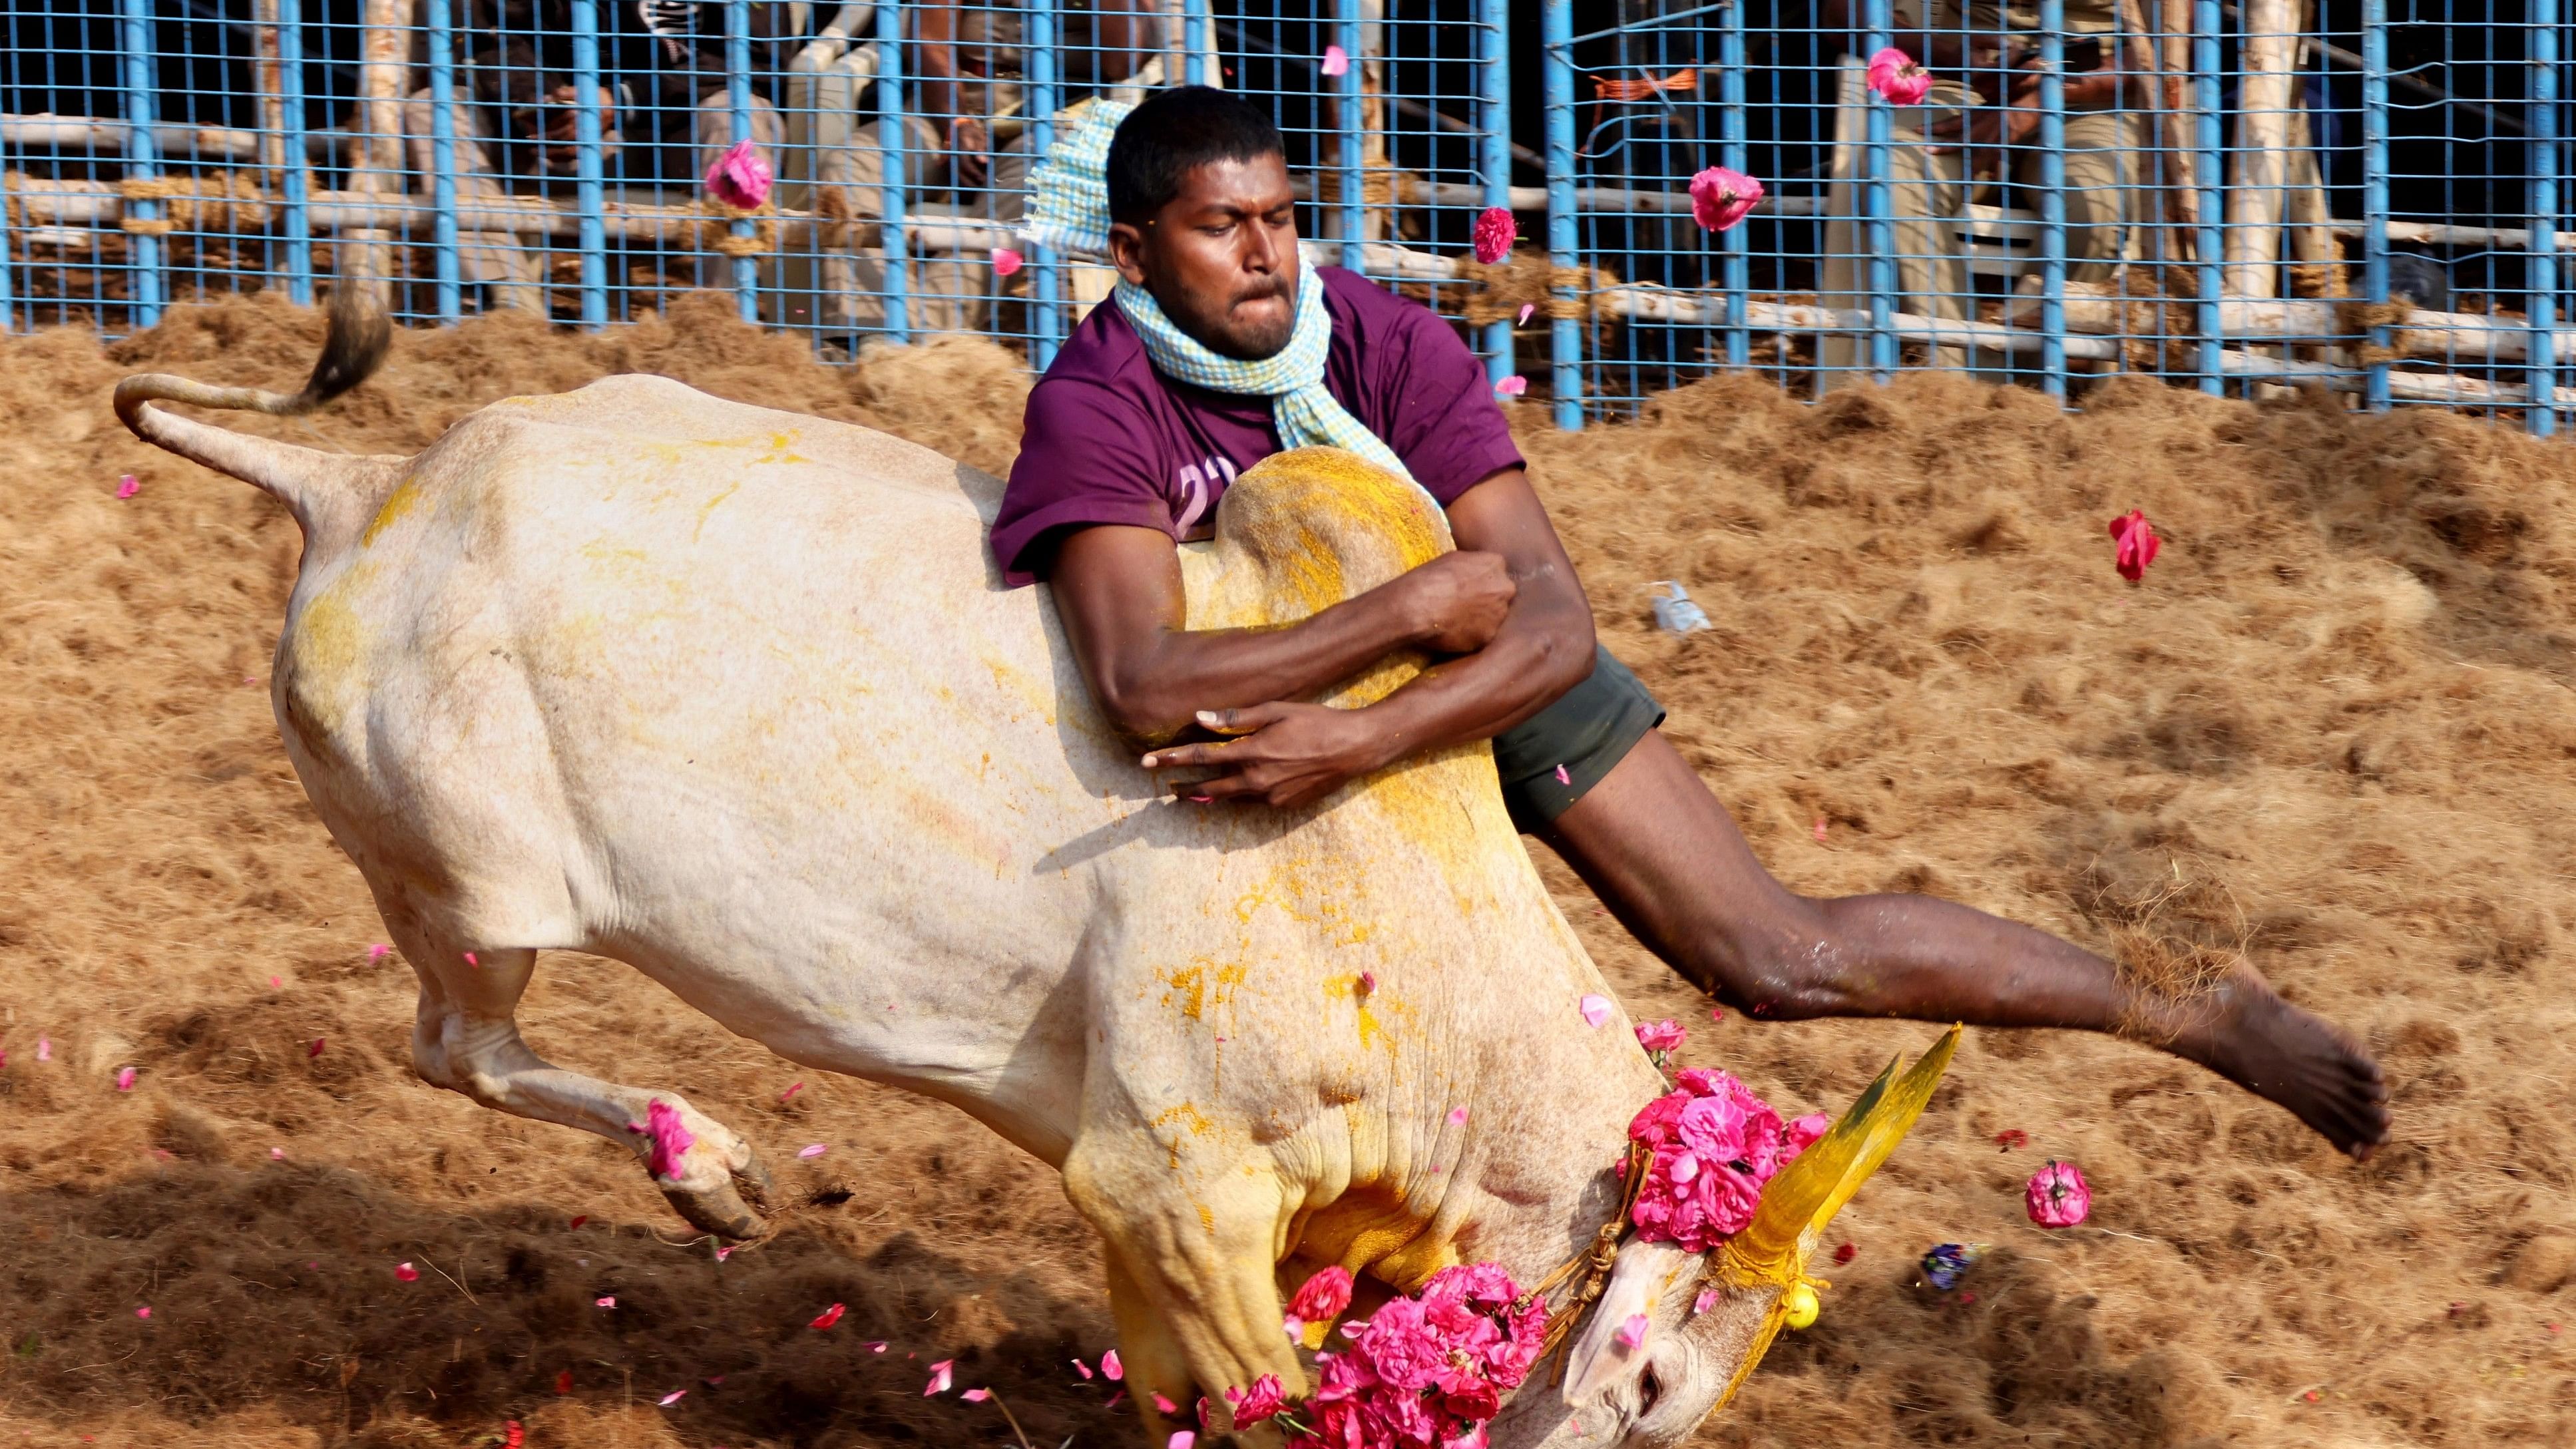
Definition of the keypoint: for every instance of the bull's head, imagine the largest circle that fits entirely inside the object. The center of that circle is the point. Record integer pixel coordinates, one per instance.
(1658, 1392)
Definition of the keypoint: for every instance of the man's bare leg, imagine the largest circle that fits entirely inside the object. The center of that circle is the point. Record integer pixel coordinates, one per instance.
(1664, 855)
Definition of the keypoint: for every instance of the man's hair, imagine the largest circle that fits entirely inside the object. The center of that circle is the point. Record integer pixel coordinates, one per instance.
(1174, 133)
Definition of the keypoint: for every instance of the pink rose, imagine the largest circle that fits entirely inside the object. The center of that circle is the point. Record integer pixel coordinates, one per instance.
(1721, 197)
(2058, 1196)
(1712, 1144)
(1259, 1402)
(1323, 1297)
(2135, 545)
(1661, 1036)
(1495, 233)
(740, 178)
(1893, 74)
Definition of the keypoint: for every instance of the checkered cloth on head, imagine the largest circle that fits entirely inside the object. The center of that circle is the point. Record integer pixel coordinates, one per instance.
(1069, 186)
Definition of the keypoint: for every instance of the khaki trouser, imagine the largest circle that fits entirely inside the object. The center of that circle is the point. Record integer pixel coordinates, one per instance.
(511, 267)
(2108, 172)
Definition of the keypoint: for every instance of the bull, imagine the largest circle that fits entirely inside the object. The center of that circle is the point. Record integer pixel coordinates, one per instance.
(737, 697)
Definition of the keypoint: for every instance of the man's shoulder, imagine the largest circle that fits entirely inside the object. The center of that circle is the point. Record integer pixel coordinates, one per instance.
(1362, 297)
(1378, 318)
(1103, 352)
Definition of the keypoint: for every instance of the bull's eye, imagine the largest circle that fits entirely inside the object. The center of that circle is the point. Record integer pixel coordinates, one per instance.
(1649, 1390)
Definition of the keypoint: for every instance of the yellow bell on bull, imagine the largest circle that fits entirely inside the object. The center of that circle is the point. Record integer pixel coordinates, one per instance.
(1801, 1307)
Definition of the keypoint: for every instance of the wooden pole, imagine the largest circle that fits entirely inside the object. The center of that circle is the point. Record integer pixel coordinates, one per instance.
(384, 71)
(1379, 222)
(268, 73)
(2258, 191)
(2160, 96)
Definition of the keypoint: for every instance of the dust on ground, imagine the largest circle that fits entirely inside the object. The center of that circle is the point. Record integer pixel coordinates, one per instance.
(2333, 731)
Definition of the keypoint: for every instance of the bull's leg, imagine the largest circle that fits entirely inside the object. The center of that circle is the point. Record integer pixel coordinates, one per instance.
(466, 1039)
(1191, 1279)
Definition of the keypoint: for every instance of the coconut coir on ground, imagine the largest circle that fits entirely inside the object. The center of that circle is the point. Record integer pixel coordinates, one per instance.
(2332, 733)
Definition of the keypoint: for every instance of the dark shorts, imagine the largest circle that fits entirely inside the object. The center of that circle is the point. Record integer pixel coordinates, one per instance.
(1586, 732)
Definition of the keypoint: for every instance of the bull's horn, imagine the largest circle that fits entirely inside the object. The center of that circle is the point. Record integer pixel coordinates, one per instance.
(1809, 1191)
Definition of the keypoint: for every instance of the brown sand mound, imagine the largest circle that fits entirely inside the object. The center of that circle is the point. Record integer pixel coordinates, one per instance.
(2332, 732)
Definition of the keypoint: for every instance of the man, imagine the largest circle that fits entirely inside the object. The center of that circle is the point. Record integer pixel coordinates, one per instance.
(514, 130)
(1217, 351)
(1980, 125)
(970, 61)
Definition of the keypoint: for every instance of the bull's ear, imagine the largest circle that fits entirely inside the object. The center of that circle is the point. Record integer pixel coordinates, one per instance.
(1648, 1276)
(1808, 1192)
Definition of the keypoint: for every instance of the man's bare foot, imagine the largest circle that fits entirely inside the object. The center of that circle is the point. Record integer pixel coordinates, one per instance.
(2246, 1033)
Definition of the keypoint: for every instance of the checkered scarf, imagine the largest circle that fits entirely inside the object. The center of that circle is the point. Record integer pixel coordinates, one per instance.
(1292, 378)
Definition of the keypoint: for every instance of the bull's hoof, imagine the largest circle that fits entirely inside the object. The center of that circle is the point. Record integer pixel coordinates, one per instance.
(720, 1211)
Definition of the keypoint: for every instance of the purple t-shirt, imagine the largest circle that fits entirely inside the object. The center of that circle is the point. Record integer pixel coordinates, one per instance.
(1109, 440)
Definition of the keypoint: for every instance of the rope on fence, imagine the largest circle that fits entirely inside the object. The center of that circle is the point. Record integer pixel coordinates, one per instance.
(711, 237)
(212, 201)
(1525, 279)
(2359, 317)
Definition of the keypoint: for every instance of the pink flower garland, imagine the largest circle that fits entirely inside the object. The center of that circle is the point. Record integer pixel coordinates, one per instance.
(1429, 1371)
(1424, 1372)
(1710, 1146)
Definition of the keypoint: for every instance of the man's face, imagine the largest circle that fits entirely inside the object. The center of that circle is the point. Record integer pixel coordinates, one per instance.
(1221, 257)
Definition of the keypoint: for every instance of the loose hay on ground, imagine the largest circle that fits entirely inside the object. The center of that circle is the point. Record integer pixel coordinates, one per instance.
(2330, 735)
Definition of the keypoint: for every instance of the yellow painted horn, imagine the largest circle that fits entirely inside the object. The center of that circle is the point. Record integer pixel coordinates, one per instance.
(1772, 1250)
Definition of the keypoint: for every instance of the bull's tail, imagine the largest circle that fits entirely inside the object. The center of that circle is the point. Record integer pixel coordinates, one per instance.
(321, 488)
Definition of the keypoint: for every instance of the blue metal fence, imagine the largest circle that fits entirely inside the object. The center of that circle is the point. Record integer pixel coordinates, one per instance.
(2233, 195)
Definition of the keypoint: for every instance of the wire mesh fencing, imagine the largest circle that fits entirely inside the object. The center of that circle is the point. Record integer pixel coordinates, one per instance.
(2234, 195)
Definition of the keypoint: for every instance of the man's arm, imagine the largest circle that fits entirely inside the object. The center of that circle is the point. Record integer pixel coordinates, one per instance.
(942, 93)
(1119, 592)
(1287, 754)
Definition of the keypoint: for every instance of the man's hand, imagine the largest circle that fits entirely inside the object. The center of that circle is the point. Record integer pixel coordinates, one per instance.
(1458, 601)
(968, 142)
(1988, 129)
(1281, 755)
(562, 126)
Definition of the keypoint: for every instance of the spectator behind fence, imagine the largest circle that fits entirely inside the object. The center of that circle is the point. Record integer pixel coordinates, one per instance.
(1946, 152)
(664, 90)
(968, 62)
(514, 129)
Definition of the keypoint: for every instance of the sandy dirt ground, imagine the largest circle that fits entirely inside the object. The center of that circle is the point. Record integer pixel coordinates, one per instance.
(2333, 731)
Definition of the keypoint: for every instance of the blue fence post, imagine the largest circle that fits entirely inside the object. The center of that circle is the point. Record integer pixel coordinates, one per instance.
(2209, 161)
(1042, 102)
(2052, 197)
(1878, 208)
(2546, 155)
(1734, 245)
(588, 199)
(442, 148)
(144, 248)
(746, 270)
(2374, 190)
(8, 291)
(891, 140)
(1352, 209)
(1565, 333)
(1194, 29)
(293, 184)
(1494, 155)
